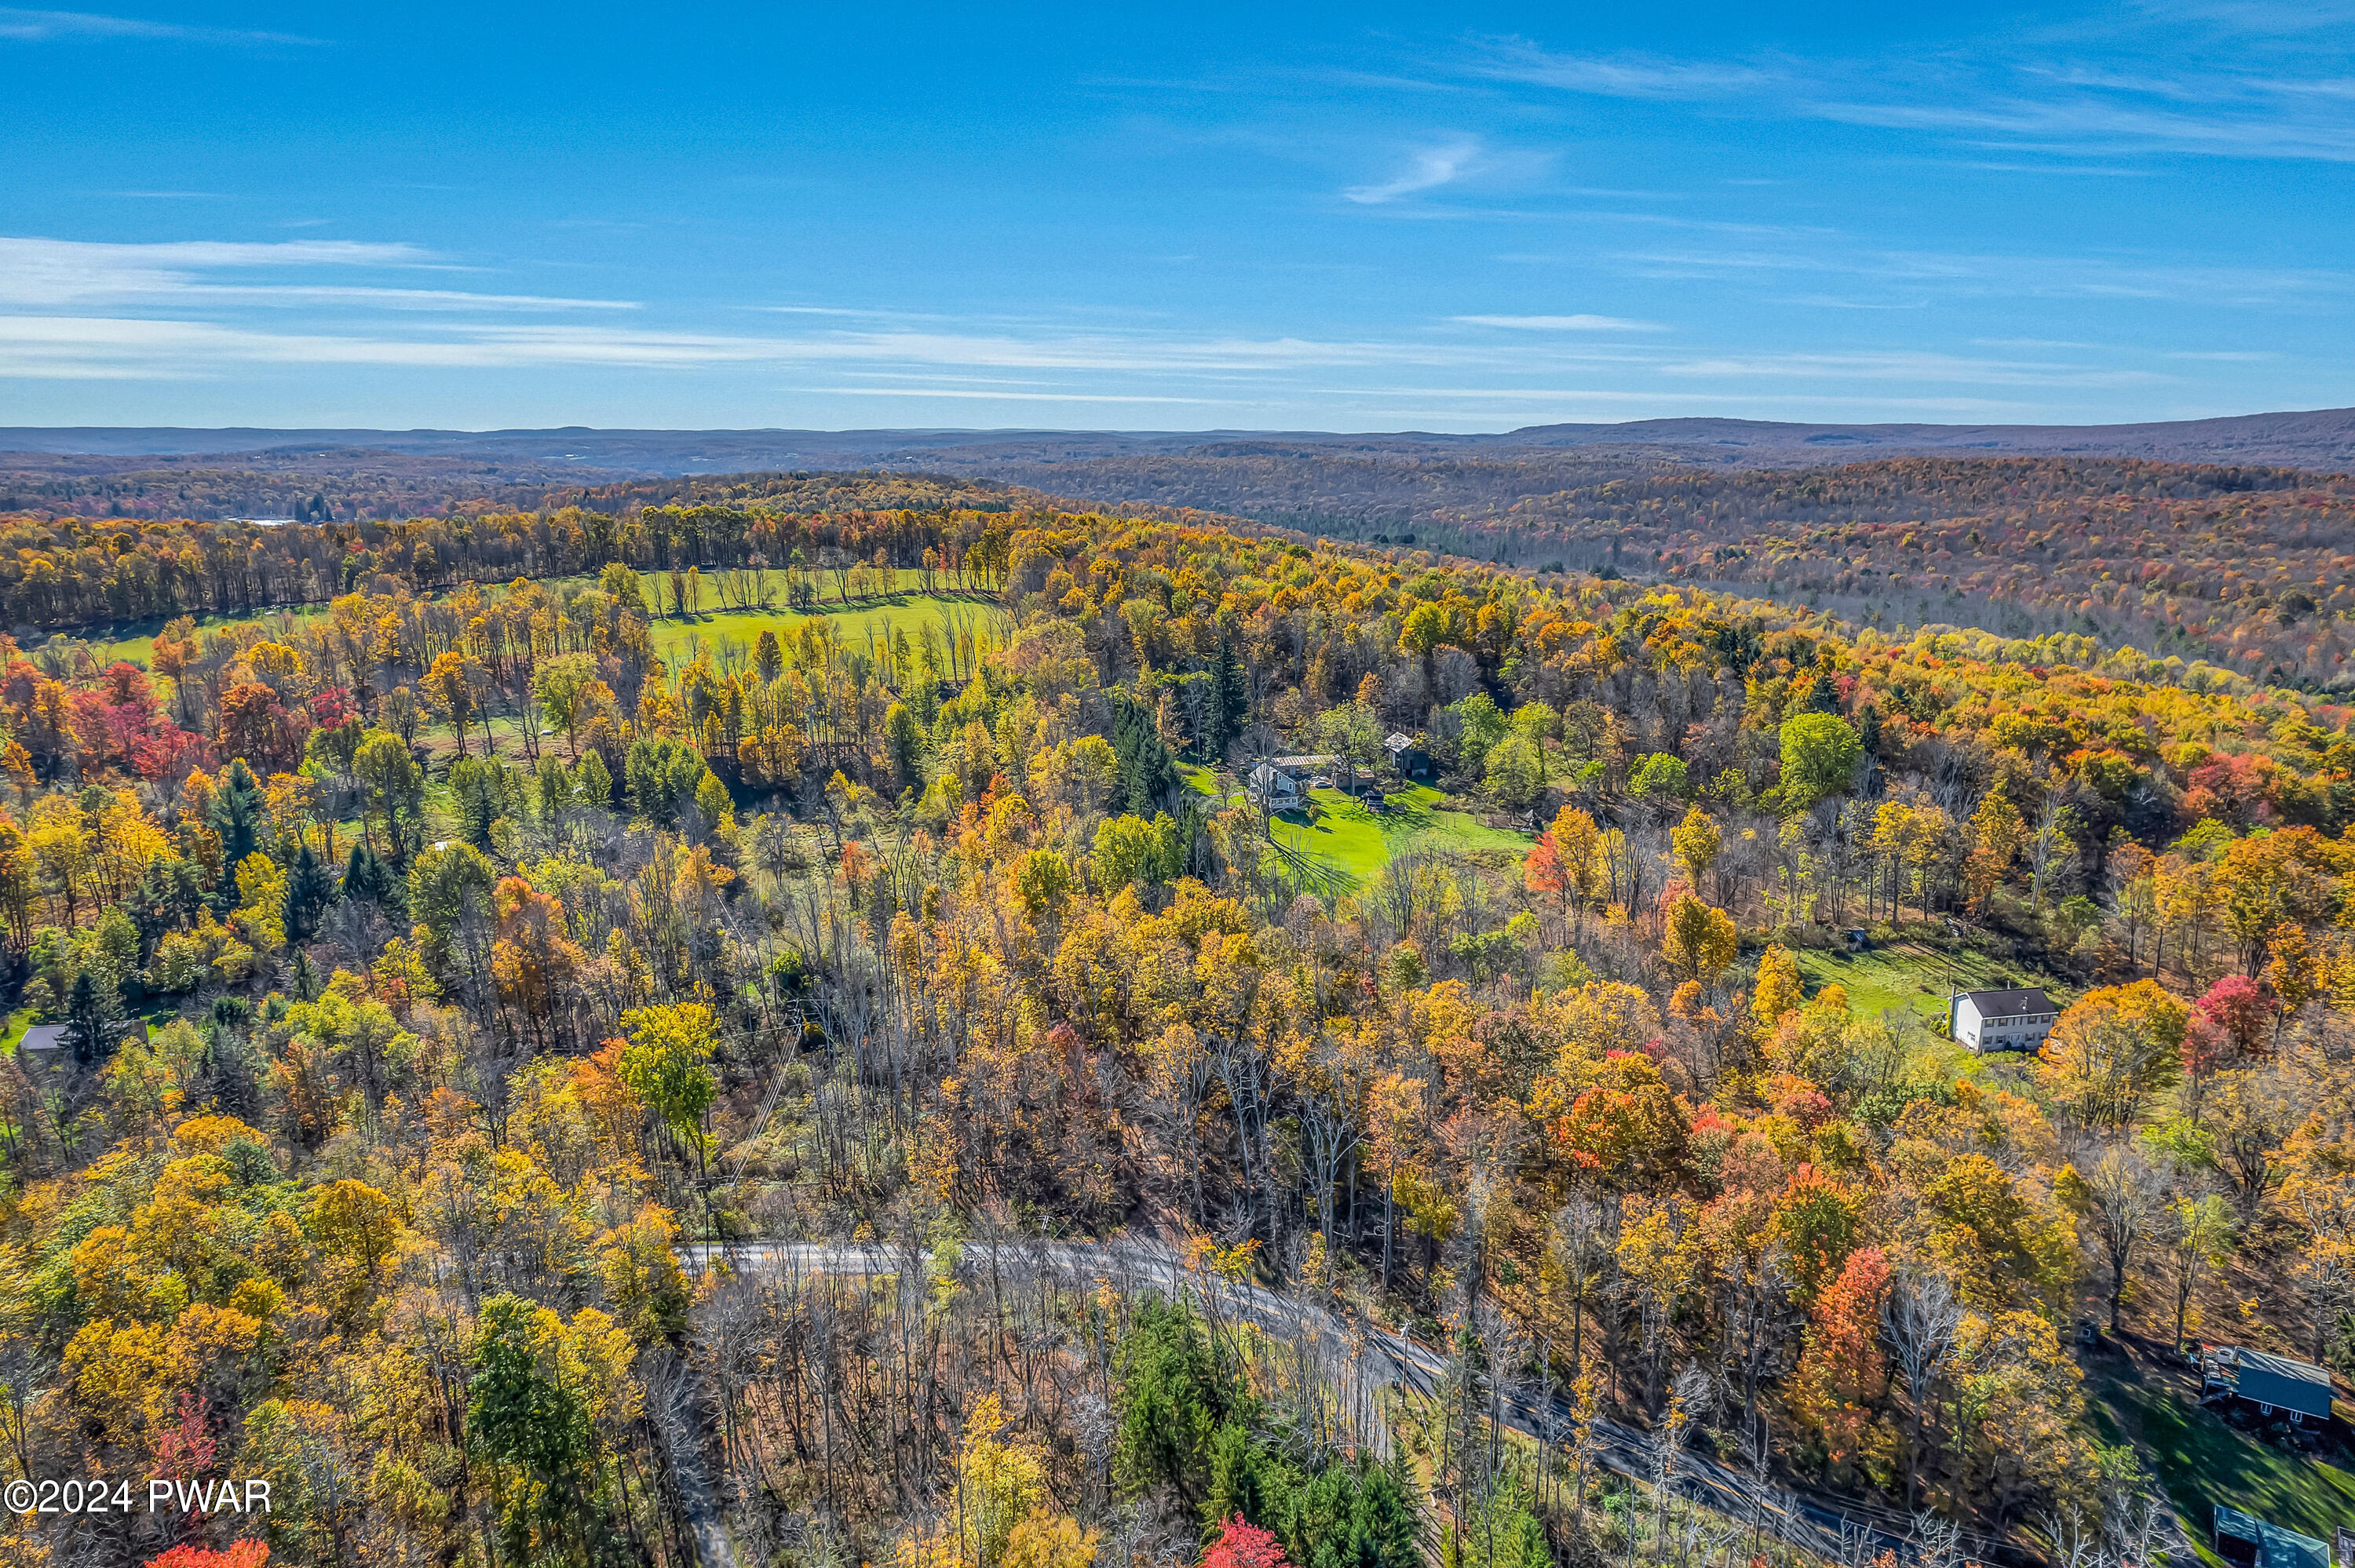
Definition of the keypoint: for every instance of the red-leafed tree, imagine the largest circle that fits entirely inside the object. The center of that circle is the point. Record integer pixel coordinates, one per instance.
(255, 727)
(1241, 1546)
(2235, 1005)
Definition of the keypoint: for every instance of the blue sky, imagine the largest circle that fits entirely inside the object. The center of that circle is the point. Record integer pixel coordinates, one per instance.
(1254, 218)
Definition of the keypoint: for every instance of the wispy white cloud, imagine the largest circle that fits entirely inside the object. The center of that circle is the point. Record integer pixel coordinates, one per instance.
(46, 26)
(1103, 366)
(1681, 400)
(2036, 97)
(62, 345)
(1425, 170)
(1561, 324)
(64, 274)
(1915, 367)
(1913, 274)
(1838, 303)
(994, 397)
(1619, 75)
(2082, 122)
(244, 312)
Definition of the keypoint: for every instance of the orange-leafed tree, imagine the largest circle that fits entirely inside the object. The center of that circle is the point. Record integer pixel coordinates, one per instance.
(1842, 1370)
(236, 1554)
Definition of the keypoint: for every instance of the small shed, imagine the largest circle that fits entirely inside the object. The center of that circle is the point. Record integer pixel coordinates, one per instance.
(43, 1037)
(2247, 1541)
(1409, 759)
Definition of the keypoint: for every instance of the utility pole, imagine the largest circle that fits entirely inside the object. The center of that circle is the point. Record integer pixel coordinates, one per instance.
(1953, 995)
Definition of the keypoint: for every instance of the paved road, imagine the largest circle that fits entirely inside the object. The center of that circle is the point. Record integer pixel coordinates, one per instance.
(1840, 1530)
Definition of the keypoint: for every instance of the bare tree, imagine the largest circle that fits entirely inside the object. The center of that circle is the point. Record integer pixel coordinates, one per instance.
(1919, 1322)
(2121, 1196)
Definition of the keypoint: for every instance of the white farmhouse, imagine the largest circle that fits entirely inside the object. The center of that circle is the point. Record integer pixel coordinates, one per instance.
(1274, 786)
(2001, 1020)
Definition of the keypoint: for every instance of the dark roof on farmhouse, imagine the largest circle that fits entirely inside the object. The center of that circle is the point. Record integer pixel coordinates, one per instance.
(2025, 1003)
(2280, 1381)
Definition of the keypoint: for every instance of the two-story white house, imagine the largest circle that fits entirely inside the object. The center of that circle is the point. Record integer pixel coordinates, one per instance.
(2001, 1020)
(1276, 787)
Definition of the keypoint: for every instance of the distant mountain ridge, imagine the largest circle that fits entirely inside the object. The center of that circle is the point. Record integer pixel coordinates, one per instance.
(2321, 438)
(2318, 439)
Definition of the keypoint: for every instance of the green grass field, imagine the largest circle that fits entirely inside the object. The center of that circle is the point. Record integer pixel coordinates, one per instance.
(1354, 843)
(18, 1021)
(676, 639)
(136, 642)
(2202, 1461)
(1200, 780)
(906, 607)
(1911, 972)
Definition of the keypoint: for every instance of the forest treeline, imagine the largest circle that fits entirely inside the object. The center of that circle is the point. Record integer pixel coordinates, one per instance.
(304, 484)
(485, 962)
(73, 572)
(2247, 566)
(346, 484)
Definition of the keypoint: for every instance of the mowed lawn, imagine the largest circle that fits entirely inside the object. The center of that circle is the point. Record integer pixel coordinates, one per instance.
(1913, 973)
(1201, 780)
(1349, 839)
(2202, 1461)
(677, 637)
(136, 642)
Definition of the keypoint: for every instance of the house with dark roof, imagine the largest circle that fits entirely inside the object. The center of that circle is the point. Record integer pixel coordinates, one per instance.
(1409, 761)
(2246, 1542)
(2273, 1385)
(2015, 1020)
(44, 1037)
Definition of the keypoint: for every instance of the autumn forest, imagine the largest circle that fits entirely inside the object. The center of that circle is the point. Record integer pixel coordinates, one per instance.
(829, 1019)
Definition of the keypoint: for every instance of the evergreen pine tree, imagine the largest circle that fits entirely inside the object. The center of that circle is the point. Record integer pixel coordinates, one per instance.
(1382, 1529)
(305, 977)
(593, 782)
(369, 875)
(1148, 773)
(239, 810)
(233, 1088)
(310, 889)
(94, 1010)
(1234, 688)
(1246, 1481)
(168, 897)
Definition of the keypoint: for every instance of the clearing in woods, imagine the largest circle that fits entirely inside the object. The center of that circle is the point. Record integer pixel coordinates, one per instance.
(1911, 971)
(1346, 844)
